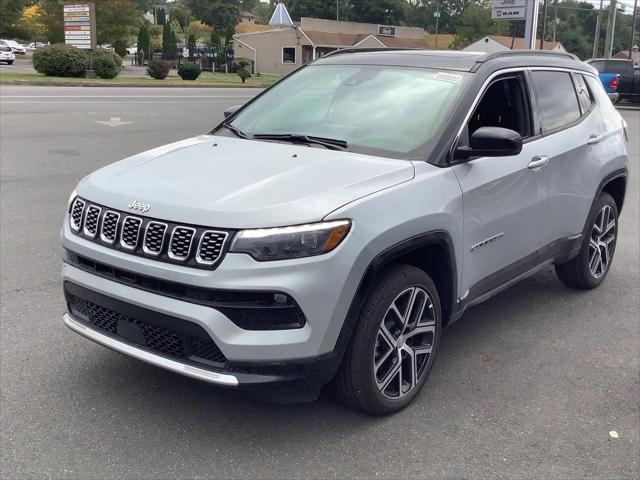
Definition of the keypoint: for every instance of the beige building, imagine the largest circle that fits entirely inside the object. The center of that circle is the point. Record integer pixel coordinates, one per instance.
(286, 45)
(497, 43)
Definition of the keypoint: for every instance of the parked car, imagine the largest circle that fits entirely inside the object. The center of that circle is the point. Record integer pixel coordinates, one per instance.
(619, 77)
(6, 55)
(36, 45)
(133, 49)
(330, 228)
(15, 46)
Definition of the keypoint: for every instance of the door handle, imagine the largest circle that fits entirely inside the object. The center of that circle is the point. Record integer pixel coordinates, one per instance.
(593, 139)
(537, 162)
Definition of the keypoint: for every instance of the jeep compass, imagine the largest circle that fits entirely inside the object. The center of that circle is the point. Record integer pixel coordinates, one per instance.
(330, 228)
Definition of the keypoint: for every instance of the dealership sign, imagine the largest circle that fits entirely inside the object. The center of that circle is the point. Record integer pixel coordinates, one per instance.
(80, 25)
(509, 10)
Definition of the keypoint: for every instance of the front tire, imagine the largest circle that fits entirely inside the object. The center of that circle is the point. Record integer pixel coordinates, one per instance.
(590, 267)
(394, 343)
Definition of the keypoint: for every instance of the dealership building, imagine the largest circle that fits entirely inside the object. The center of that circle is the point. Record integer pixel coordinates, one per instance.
(284, 45)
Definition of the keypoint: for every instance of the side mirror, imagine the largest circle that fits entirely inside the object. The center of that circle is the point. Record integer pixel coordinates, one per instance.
(231, 110)
(491, 142)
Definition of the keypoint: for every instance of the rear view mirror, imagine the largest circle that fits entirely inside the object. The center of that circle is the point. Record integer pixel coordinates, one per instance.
(491, 142)
(231, 110)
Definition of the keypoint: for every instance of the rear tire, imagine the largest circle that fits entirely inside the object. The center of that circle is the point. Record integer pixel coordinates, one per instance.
(590, 267)
(394, 343)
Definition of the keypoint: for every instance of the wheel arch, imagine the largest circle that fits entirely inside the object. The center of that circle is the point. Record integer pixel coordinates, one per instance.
(432, 252)
(615, 185)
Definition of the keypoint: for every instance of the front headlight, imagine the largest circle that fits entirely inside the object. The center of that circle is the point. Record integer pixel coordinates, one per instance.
(291, 242)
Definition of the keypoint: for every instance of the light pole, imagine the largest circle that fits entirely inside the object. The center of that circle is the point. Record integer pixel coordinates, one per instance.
(596, 39)
(556, 21)
(436, 14)
(633, 27)
(611, 27)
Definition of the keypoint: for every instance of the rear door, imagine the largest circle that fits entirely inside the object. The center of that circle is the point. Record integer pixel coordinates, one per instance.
(571, 132)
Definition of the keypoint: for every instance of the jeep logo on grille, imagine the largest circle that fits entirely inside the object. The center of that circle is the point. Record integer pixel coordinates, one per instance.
(141, 207)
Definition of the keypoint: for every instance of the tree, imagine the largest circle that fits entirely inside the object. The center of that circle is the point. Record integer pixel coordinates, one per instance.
(199, 30)
(216, 13)
(162, 17)
(474, 23)
(30, 26)
(114, 19)
(385, 12)
(191, 45)
(10, 14)
(166, 38)
(144, 41)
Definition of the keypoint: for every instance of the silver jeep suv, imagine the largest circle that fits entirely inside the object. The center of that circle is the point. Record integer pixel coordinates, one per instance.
(329, 229)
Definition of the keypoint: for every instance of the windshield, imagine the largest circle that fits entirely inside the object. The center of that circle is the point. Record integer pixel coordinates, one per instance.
(379, 110)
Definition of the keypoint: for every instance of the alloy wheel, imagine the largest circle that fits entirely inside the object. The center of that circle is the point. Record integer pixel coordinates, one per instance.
(404, 343)
(602, 241)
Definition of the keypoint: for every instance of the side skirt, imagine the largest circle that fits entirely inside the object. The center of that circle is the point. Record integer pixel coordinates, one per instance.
(559, 251)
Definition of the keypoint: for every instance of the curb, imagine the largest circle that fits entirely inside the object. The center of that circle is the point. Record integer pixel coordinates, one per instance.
(184, 84)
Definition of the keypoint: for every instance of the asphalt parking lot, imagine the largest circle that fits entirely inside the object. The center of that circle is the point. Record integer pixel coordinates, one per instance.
(527, 385)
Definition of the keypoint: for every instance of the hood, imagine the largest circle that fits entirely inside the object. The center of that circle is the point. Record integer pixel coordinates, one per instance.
(234, 183)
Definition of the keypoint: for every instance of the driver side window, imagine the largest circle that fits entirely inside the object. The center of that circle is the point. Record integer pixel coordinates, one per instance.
(504, 104)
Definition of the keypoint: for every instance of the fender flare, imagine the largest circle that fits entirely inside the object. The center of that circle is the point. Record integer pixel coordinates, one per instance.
(379, 263)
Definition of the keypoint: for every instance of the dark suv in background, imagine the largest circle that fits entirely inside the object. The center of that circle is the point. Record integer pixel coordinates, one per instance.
(619, 78)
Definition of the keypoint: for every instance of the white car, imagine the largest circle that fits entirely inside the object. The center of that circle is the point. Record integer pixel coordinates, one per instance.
(133, 49)
(15, 46)
(6, 55)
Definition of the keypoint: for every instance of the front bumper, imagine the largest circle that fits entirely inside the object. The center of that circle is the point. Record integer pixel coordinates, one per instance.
(145, 356)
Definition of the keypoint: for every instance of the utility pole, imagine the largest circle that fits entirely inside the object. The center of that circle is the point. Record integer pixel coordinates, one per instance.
(337, 10)
(633, 27)
(437, 15)
(544, 24)
(596, 39)
(611, 27)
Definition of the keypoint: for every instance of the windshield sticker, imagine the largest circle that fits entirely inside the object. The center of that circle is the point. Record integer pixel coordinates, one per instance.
(448, 77)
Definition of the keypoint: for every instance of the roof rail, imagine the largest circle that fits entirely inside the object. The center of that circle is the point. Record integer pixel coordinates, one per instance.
(355, 50)
(507, 53)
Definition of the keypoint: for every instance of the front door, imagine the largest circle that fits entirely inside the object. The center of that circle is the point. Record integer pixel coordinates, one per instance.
(503, 197)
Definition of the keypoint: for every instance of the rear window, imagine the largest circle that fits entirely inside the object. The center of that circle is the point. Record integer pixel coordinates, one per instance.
(557, 100)
(584, 96)
(621, 67)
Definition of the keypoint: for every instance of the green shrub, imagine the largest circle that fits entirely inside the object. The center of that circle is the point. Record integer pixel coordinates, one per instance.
(106, 67)
(105, 63)
(244, 63)
(120, 46)
(243, 74)
(158, 69)
(189, 71)
(60, 60)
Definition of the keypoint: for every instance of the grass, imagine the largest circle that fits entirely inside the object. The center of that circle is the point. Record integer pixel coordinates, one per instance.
(206, 79)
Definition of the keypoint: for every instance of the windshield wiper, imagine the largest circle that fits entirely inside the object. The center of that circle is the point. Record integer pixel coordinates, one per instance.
(235, 130)
(330, 143)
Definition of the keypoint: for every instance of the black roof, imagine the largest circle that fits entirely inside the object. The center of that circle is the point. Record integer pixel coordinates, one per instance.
(454, 60)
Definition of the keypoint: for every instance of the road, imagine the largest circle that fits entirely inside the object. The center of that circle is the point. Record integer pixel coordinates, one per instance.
(527, 385)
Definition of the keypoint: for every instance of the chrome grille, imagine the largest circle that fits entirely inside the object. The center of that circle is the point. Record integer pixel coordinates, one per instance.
(130, 232)
(166, 241)
(181, 240)
(109, 226)
(154, 237)
(76, 214)
(91, 220)
(210, 247)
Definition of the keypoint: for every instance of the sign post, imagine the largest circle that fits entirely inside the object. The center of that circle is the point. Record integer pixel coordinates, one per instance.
(80, 25)
(518, 10)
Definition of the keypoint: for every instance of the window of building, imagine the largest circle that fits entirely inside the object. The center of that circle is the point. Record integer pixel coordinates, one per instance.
(557, 99)
(288, 54)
